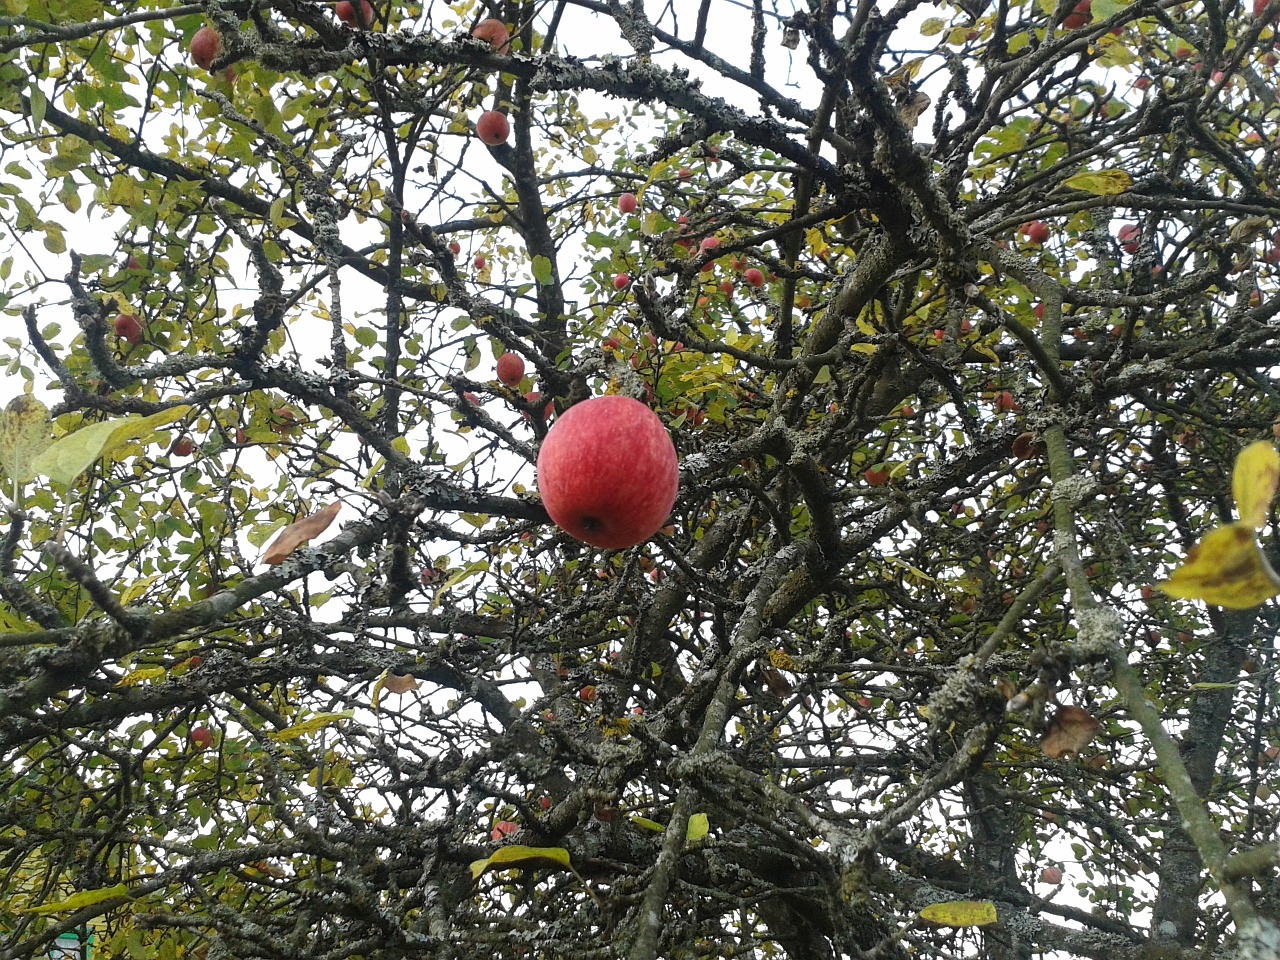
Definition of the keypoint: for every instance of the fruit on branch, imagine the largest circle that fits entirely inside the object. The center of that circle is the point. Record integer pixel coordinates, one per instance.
(753, 277)
(184, 446)
(684, 173)
(608, 472)
(510, 369)
(201, 738)
(282, 420)
(495, 32)
(492, 128)
(358, 18)
(205, 47)
(455, 247)
(1051, 875)
(1005, 403)
(621, 281)
(534, 398)
(479, 262)
(1079, 16)
(876, 477)
(627, 203)
(1128, 237)
(128, 328)
(1036, 231)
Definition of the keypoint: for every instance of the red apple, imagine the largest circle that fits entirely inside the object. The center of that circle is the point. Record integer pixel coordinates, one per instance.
(184, 446)
(620, 281)
(282, 420)
(455, 247)
(754, 277)
(359, 18)
(134, 263)
(1259, 6)
(1036, 231)
(726, 287)
(608, 473)
(533, 398)
(128, 328)
(1142, 83)
(205, 47)
(876, 478)
(479, 262)
(510, 369)
(627, 203)
(1079, 16)
(587, 693)
(1005, 403)
(201, 738)
(1051, 875)
(495, 32)
(708, 243)
(241, 436)
(492, 128)
(684, 173)
(1128, 237)
(1039, 311)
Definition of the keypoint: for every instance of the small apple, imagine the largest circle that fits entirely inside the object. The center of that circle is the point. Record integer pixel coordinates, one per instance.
(708, 243)
(627, 203)
(1039, 311)
(876, 478)
(241, 436)
(455, 247)
(492, 128)
(479, 262)
(201, 738)
(358, 18)
(184, 446)
(533, 398)
(1051, 875)
(510, 369)
(587, 694)
(282, 420)
(684, 173)
(128, 328)
(205, 47)
(1142, 83)
(134, 263)
(1128, 237)
(1005, 403)
(608, 472)
(1081, 14)
(1259, 7)
(1036, 231)
(620, 281)
(726, 287)
(754, 277)
(1024, 446)
(495, 32)
(544, 803)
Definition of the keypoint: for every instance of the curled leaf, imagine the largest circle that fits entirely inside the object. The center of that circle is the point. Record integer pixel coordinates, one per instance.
(300, 532)
(1101, 183)
(1225, 568)
(1069, 732)
(519, 855)
(960, 913)
(1254, 481)
(77, 901)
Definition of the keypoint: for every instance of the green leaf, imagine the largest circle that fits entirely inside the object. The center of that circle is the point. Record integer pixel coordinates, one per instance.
(960, 913)
(698, 828)
(521, 856)
(1101, 183)
(646, 824)
(68, 457)
(86, 898)
(39, 103)
(542, 270)
(311, 725)
(24, 434)
(932, 27)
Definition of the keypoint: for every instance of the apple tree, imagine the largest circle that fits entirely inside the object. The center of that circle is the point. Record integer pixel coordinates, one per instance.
(958, 638)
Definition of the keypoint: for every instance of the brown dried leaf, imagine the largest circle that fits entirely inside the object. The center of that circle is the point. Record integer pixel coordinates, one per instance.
(1069, 732)
(398, 684)
(300, 532)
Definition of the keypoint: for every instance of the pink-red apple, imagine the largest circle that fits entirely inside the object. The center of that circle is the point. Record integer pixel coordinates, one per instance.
(495, 32)
(1036, 231)
(455, 247)
(201, 738)
(184, 446)
(1051, 875)
(1128, 237)
(627, 203)
(1081, 14)
(479, 262)
(128, 328)
(608, 473)
(492, 128)
(753, 277)
(358, 17)
(205, 47)
(876, 478)
(510, 369)
(621, 281)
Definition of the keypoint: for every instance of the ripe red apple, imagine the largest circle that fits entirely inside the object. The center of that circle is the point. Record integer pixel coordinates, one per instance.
(533, 398)
(876, 478)
(1128, 237)
(282, 420)
(134, 263)
(1258, 7)
(1079, 16)
(754, 277)
(620, 281)
(510, 369)
(627, 203)
(1051, 875)
(708, 243)
(726, 287)
(1039, 311)
(205, 47)
(587, 694)
(492, 128)
(608, 473)
(479, 262)
(1142, 83)
(241, 436)
(495, 32)
(1036, 231)
(201, 738)
(184, 446)
(1005, 403)
(128, 328)
(455, 247)
(358, 18)
(684, 173)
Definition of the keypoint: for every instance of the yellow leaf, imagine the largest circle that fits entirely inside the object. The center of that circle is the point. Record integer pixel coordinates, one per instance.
(1101, 183)
(310, 725)
(647, 824)
(960, 913)
(521, 856)
(86, 898)
(698, 828)
(1254, 481)
(144, 675)
(24, 434)
(1226, 568)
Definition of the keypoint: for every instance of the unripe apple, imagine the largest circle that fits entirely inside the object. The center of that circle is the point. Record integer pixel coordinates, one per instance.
(492, 128)
(205, 47)
(359, 18)
(1128, 237)
(128, 328)
(754, 277)
(201, 738)
(510, 369)
(621, 281)
(1051, 875)
(1036, 231)
(608, 472)
(627, 203)
(495, 32)
(184, 446)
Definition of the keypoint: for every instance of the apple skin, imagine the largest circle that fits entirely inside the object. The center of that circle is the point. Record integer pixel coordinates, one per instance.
(1128, 236)
(205, 47)
(495, 32)
(608, 472)
(1051, 875)
(184, 446)
(1079, 16)
(360, 18)
(1036, 231)
(627, 203)
(201, 738)
(620, 281)
(754, 277)
(493, 128)
(128, 328)
(510, 370)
